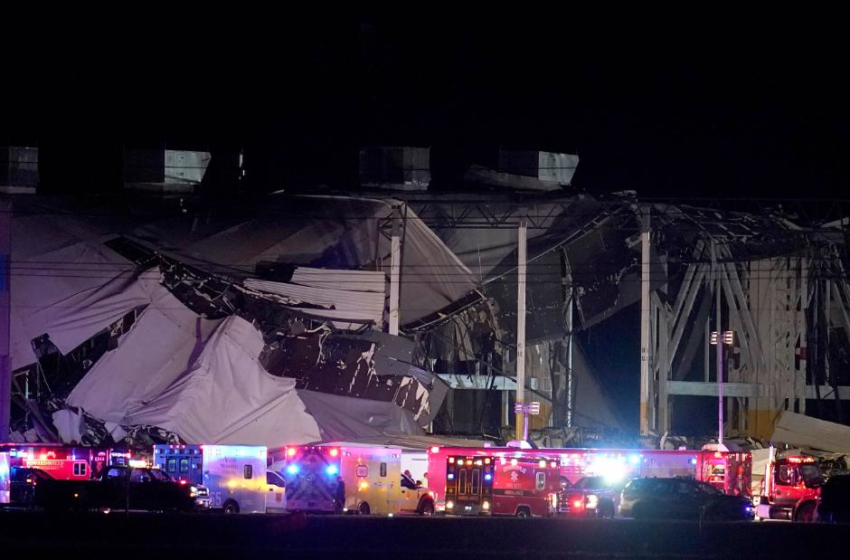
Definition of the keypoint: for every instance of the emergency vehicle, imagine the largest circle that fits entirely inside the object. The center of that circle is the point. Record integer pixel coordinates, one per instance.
(729, 472)
(372, 479)
(312, 474)
(65, 462)
(5, 478)
(235, 475)
(492, 481)
(790, 489)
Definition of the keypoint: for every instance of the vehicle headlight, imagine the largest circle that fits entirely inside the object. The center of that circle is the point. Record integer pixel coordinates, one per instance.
(592, 501)
(193, 491)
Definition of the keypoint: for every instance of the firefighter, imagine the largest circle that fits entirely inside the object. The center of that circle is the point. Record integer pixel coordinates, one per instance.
(339, 495)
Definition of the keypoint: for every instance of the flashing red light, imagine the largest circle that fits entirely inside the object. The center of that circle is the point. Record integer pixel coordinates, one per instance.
(718, 454)
(184, 482)
(334, 452)
(435, 449)
(291, 451)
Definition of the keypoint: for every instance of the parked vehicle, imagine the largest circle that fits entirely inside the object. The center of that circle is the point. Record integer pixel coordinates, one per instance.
(516, 484)
(5, 482)
(591, 496)
(364, 479)
(791, 489)
(24, 481)
(835, 500)
(132, 488)
(235, 475)
(678, 498)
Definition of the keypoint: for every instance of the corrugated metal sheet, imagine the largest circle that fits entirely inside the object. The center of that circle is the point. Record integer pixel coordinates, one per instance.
(352, 280)
(341, 304)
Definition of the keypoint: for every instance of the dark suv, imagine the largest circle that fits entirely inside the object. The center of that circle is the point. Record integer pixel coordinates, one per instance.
(680, 498)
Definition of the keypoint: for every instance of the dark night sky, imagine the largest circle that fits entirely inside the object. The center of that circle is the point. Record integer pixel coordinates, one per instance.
(712, 104)
(668, 104)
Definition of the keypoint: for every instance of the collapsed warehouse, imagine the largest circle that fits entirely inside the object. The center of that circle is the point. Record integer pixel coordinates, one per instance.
(191, 319)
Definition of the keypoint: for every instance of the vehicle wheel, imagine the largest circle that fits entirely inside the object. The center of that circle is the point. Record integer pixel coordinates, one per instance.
(523, 512)
(805, 513)
(365, 509)
(640, 512)
(231, 507)
(426, 508)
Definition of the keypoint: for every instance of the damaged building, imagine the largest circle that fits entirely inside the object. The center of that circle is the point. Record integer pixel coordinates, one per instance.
(303, 318)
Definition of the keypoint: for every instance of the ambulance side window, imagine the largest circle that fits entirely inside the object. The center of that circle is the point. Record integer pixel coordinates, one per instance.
(79, 469)
(184, 465)
(541, 480)
(383, 469)
(248, 471)
(171, 465)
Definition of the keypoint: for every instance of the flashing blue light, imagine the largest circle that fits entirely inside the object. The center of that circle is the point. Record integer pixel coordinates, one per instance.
(451, 477)
(292, 469)
(693, 461)
(488, 477)
(332, 469)
(634, 459)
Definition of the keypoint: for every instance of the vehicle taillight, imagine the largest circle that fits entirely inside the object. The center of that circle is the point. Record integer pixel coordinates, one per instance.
(576, 502)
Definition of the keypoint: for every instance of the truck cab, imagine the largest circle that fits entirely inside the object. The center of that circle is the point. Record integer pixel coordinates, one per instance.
(791, 489)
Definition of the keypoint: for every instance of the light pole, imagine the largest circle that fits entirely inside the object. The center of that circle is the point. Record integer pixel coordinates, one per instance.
(726, 337)
(533, 409)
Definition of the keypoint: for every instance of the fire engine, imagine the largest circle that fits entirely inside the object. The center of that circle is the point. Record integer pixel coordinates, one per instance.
(790, 489)
(5, 480)
(65, 462)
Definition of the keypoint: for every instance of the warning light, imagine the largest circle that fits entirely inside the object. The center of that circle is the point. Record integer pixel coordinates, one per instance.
(485, 506)
(487, 476)
(291, 451)
(334, 452)
(718, 454)
(451, 460)
(513, 462)
(469, 461)
(435, 449)
(332, 470)
(183, 482)
(292, 469)
(487, 461)
(450, 476)
(364, 485)
(541, 464)
(554, 464)
(450, 505)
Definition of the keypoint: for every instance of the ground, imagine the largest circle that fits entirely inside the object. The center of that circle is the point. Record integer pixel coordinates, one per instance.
(350, 537)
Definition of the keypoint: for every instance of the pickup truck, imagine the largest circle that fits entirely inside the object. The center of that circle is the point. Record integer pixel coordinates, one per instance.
(130, 488)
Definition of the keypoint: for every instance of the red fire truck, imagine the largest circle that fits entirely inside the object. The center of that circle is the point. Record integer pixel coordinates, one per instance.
(790, 489)
(65, 462)
(504, 483)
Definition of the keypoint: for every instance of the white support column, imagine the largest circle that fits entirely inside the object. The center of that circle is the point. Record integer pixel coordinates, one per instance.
(522, 257)
(645, 356)
(5, 311)
(570, 304)
(395, 277)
